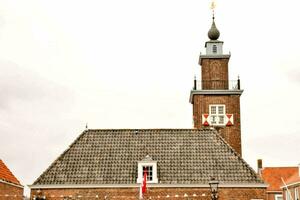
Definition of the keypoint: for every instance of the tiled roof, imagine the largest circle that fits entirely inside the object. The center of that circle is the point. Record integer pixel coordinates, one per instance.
(295, 178)
(6, 175)
(184, 156)
(273, 175)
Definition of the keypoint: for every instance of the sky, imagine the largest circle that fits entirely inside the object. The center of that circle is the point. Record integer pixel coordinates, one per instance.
(131, 64)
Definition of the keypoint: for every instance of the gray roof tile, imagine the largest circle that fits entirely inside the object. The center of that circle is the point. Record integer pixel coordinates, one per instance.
(184, 156)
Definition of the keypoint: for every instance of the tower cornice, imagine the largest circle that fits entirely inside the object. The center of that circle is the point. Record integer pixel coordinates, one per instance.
(212, 56)
(214, 92)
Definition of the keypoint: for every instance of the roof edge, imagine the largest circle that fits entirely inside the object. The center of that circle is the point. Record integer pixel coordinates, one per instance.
(80, 186)
(10, 183)
(240, 158)
(291, 184)
(61, 155)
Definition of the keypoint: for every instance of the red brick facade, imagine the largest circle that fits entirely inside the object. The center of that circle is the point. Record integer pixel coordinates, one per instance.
(10, 192)
(232, 134)
(214, 73)
(152, 193)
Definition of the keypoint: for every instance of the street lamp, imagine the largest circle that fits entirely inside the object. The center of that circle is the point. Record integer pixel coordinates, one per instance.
(213, 184)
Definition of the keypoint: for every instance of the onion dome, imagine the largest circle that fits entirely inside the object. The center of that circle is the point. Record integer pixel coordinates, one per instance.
(213, 32)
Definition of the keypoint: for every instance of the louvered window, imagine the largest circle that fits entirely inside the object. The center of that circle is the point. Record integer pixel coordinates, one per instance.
(214, 48)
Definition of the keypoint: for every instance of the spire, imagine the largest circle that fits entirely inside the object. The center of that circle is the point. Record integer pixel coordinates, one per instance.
(213, 32)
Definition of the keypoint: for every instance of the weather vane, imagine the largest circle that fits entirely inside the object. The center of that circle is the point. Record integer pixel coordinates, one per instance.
(213, 6)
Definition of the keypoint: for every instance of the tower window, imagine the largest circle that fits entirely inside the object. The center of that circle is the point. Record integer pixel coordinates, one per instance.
(214, 48)
(217, 114)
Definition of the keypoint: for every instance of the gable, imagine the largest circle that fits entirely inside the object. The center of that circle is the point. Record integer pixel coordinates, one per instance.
(6, 175)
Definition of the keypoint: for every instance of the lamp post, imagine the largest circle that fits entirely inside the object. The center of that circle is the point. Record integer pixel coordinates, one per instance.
(213, 184)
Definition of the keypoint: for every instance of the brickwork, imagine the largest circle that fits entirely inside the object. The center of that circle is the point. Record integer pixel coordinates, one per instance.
(10, 192)
(214, 73)
(152, 193)
(232, 134)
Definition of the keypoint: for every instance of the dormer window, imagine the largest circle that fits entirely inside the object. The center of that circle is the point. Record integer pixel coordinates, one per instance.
(214, 48)
(150, 166)
(149, 171)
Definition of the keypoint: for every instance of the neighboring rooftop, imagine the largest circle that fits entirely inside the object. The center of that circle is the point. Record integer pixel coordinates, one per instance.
(295, 178)
(6, 175)
(184, 156)
(273, 175)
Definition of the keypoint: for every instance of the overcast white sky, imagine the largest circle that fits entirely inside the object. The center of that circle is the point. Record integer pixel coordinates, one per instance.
(130, 64)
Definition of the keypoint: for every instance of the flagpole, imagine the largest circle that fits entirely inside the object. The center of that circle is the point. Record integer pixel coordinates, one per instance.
(141, 193)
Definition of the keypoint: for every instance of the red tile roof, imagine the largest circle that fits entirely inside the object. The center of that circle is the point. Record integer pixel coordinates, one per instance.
(273, 175)
(7, 175)
(295, 178)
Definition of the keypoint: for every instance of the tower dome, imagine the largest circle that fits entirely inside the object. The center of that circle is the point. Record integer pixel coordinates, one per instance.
(213, 32)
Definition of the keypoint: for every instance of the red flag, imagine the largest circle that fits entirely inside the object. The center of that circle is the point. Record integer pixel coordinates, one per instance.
(144, 186)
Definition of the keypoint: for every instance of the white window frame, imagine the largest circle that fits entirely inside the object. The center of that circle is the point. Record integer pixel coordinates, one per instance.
(287, 195)
(144, 163)
(296, 192)
(215, 117)
(278, 197)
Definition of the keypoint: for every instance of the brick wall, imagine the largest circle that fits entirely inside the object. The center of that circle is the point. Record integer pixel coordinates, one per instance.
(10, 192)
(152, 193)
(214, 72)
(232, 134)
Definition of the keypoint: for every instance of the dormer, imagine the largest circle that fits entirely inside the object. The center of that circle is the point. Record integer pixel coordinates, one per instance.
(149, 166)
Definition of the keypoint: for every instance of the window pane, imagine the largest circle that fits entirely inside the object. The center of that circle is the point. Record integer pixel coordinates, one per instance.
(221, 110)
(213, 119)
(278, 197)
(221, 119)
(149, 170)
(213, 110)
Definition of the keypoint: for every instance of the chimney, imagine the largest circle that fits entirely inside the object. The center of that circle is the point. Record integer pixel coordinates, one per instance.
(259, 166)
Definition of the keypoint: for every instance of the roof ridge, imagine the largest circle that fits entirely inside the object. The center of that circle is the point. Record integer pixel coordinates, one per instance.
(61, 155)
(105, 129)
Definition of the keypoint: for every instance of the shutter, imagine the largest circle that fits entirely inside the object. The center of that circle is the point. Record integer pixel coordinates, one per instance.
(229, 119)
(205, 119)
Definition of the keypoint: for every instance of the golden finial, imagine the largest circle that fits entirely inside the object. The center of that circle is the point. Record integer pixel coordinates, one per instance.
(213, 6)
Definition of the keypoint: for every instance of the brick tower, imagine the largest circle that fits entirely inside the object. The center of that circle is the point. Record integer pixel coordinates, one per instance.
(215, 99)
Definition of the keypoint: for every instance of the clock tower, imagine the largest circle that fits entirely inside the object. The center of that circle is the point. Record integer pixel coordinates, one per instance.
(216, 99)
